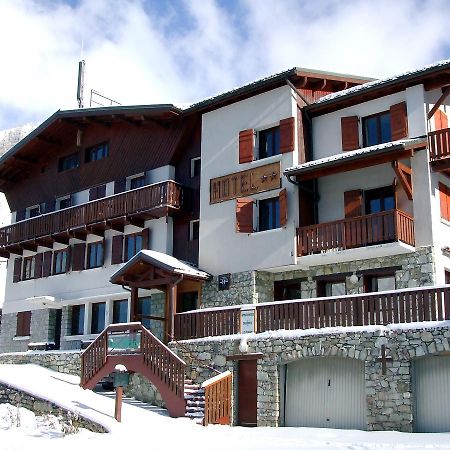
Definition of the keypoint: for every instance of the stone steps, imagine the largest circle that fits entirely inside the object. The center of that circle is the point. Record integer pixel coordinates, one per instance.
(195, 401)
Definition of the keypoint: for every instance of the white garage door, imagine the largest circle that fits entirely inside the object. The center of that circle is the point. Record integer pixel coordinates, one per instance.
(325, 392)
(432, 393)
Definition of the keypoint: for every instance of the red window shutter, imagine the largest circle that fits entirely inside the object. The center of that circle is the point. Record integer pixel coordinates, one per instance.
(440, 120)
(47, 264)
(38, 261)
(117, 249)
(244, 215)
(287, 135)
(353, 203)
(283, 207)
(79, 257)
(146, 239)
(350, 133)
(17, 270)
(444, 197)
(399, 121)
(246, 139)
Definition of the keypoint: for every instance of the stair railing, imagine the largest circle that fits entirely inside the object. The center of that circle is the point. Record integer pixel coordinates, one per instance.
(218, 399)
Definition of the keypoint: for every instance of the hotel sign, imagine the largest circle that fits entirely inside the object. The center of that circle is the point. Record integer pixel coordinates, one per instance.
(247, 182)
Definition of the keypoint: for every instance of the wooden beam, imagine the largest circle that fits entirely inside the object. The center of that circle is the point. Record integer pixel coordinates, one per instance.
(4, 253)
(157, 282)
(140, 223)
(30, 246)
(48, 140)
(134, 304)
(172, 308)
(404, 175)
(441, 100)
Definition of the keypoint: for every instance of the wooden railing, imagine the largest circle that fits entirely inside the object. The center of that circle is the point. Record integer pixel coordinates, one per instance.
(134, 339)
(378, 228)
(200, 323)
(439, 144)
(218, 399)
(166, 194)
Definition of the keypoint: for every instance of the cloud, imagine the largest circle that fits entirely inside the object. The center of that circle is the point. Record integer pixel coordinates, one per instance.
(140, 52)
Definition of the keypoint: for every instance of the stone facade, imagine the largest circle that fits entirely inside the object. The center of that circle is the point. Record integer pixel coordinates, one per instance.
(40, 406)
(389, 398)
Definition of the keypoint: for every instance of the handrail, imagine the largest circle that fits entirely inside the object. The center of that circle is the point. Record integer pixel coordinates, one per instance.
(218, 399)
(165, 194)
(439, 144)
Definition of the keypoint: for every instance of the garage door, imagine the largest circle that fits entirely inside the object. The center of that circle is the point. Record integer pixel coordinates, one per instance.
(326, 393)
(432, 393)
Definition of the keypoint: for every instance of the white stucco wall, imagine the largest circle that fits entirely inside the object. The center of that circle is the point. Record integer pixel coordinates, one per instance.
(219, 240)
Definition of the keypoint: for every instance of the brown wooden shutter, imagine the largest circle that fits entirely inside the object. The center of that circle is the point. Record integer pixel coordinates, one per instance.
(117, 249)
(350, 133)
(47, 264)
(399, 121)
(17, 270)
(444, 197)
(440, 120)
(287, 135)
(353, 203)
(79, 257)
(244, 215)
(246, 146)
(146, 239)
(23, 326)
(67, 268)
(120, 186)
(283, 207)
(38, 265)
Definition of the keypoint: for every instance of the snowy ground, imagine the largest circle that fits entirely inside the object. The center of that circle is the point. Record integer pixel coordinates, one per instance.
(149, 428)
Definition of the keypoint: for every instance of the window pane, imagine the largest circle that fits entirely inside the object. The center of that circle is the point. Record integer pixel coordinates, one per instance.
(385, 124)
(138, 243)
(144, 308)
(120, 311)
(269, 214)
(98, 317)
(269, 142)
(333, 289)
(77, 326)
(371, 131)
(389, 203)
(130, 247)
(137, 182)
(386, 283)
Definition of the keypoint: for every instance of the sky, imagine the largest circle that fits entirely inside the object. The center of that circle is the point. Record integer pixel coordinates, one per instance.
(181, 51)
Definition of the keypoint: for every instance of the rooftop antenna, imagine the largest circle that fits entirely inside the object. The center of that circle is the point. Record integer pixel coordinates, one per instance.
(80, 86)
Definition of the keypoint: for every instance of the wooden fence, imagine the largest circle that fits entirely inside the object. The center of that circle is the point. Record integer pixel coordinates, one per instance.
(218, 399)
(439, 144)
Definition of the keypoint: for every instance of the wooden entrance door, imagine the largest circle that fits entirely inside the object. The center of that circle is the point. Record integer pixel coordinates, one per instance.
(247, 393)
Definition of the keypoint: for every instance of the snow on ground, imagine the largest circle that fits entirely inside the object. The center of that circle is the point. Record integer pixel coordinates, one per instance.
(150, 429)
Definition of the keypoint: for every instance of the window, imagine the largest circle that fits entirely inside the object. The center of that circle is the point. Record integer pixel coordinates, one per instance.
(144, 309)
(33, 211)
(331, 288)
(447, 277)
(97, 152)
(379, 283)
(68, 162)
(195, 167)
(120, 311)
(269, 142)
(187, 301)
(98, 317)
(28, 268)
(95, 255)
(23, 325)
(136, 181)
(381, 199)
(287, 290)
(77, 323)
(60, 261)
(133, 245)
(64, 202)
(377, 129)
(194, 230)
(269, 214)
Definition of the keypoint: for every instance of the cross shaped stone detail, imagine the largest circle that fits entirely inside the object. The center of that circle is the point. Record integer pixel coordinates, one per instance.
(384, 359)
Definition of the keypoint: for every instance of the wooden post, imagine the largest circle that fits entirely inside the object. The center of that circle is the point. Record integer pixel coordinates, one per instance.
(172, 288)
(118, 406)
(134, 304)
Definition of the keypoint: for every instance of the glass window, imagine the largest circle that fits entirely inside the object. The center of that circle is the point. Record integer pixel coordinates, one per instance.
(34, 211)
(287, 290)
(64, 202)
(28, 268)
(98, 317)
(332, 288)
(194, 230)
(378, 200)
(269, 214)
(269, 142)
(195, 167)
(120, 311)
(377, 129)
(144, 309)
(133, 245)
(95, 255)
(97, 152)
(187, 301)
(68, 162)
(77, 324)
(60, 261)
(137, 182)
(378, 283)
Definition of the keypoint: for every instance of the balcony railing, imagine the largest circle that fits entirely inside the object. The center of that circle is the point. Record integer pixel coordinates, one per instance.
(371, 229)
(152, 199)
(439, 144)
(378, 308)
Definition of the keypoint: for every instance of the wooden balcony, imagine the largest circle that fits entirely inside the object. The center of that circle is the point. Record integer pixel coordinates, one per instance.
(131, 207)
(362, 231)
(439, 150)
(378, 308)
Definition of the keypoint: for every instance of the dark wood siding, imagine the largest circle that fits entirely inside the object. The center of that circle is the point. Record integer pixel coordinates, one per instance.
(399, 121)
(38, 265)
(287, 135)
(246, 146)
(350, 133)
(440, 120)
(353, 203)
(78, 256)
(283, 207)
(244, 215)
(47, 264)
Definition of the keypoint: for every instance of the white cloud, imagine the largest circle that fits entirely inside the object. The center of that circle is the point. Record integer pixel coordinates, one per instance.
(139, 52)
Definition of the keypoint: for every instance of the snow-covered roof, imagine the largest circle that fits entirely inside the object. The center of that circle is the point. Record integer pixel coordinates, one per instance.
(379, 83)
(162, 261)
(354, 155)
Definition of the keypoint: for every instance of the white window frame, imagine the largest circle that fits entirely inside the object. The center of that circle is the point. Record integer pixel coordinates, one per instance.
(191, 229)
(60, 199)
(30, 208)
(193, 161)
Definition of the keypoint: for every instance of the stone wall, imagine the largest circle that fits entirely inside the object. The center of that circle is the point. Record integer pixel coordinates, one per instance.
(389, 397)
(64, 362)
(40, 406)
